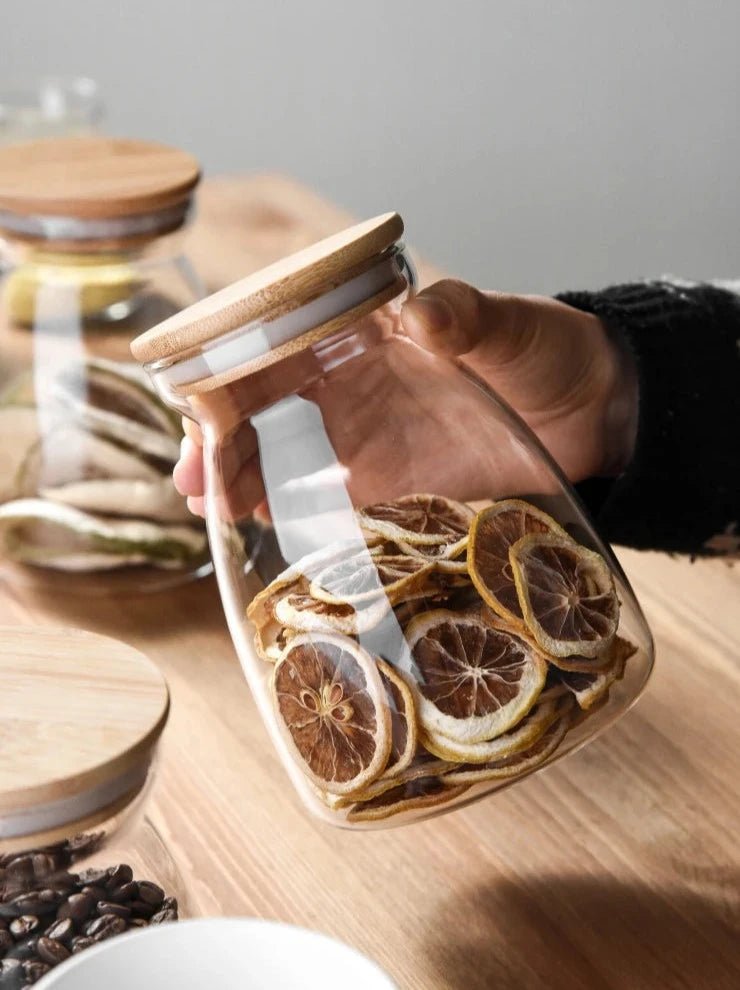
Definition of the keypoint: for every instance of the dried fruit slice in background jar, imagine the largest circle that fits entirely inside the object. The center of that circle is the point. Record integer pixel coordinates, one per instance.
(332, 710)
(474, 682)
(494, 530)
(566, 594)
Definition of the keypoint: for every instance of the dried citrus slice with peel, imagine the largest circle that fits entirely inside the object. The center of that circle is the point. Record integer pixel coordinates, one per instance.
(519, 763)
(417, 795)
(474, 682)
(423, 766)
(261, 613)
(332, 711)
(526, 732)
(436, 551)
(419, 519)
(566, 593)
(363, 577)
(404, 732)
(589, 688)
(493, 531)
(307, 614)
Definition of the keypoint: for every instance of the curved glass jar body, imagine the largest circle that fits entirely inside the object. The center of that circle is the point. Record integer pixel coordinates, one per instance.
(363, 498)
(74, 887)
(86, 447)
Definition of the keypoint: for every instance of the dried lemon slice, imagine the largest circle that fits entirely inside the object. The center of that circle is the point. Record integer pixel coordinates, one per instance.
(589, 688)
(526, 732)
(438, 552)
(520, 762)
(362, 578)
(404, 732)
(419, 520)
(493, 531)
(417, 795)
(332, 711)
(475, 682)
(566, 594)
(424, 765)
(305, 613)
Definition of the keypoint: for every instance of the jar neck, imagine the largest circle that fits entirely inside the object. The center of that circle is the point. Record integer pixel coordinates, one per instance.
(261, 343)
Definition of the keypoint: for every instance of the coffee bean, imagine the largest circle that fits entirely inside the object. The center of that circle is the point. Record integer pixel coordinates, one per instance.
(138, 923)
(81, 942)
(11, 974)
(97, 893)
(62, 931)
(43, 865)
(120, 910)
(34, 970)
(6, 942)
(3, 925)
(170, 902)
(126, 892)
(52, 952)
(25, 949)
(163, 916)
(105, 926)
(141, 909)
(26, 904)
(78, 907)
(94, 876)
(23, 926)
(21, 869)
(150, 893)
(121, 874)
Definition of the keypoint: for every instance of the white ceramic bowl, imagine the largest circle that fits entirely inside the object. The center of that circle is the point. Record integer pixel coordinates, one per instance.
(228, 953)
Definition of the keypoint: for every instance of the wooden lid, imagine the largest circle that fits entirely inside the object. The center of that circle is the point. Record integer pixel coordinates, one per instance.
(93, 177)
(271, 291)
(80, 715)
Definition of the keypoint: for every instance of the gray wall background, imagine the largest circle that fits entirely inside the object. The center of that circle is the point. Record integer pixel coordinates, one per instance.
(531, 146)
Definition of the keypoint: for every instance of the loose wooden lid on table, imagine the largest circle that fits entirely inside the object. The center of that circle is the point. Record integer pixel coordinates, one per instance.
(272, 291)
(80, 717)
(92, 179)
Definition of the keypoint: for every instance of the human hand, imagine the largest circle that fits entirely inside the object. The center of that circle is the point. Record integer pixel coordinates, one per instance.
(555, 365)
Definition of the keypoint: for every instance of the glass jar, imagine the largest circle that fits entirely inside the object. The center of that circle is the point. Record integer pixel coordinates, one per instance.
(90, 240)
(422, 609)
(79, 862)
(53, 106)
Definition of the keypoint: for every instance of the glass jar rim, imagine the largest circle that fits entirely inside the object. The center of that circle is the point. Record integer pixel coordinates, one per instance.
(51, 230)
(265, 341)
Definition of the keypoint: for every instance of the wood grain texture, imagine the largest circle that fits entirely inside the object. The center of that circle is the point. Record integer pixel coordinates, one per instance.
(94, 177)
(617, 869)
(76, 710)
(274, 290)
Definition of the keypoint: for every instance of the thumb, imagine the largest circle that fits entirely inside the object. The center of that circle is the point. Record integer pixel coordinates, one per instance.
(458, 320)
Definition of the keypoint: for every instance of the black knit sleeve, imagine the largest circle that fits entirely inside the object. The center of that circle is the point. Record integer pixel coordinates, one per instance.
(682, 488)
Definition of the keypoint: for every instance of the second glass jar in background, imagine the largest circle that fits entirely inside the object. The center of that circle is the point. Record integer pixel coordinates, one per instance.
(426, 615)
(81, 717)
(90, 239)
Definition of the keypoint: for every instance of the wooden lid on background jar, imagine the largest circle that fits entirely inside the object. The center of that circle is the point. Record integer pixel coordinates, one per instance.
(274, 291)
(94, 188)
(80, 718)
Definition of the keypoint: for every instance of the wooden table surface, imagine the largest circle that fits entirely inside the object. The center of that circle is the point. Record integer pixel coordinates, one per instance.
(618, 868)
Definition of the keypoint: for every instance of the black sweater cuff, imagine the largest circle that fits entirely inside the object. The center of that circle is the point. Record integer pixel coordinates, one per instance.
(680, 492)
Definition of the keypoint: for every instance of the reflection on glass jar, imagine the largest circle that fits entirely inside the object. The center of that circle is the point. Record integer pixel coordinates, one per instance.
(80, 718)
(422, 610)
(91, 245)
